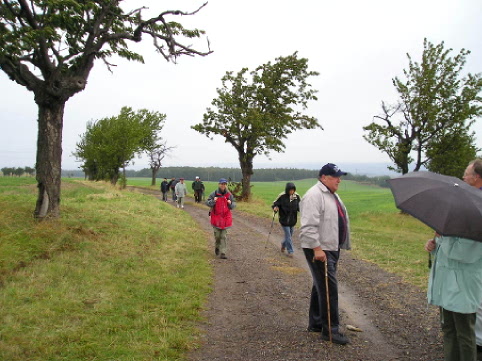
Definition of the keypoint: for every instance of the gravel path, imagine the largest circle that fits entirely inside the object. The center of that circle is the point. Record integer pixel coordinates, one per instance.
(258, 309)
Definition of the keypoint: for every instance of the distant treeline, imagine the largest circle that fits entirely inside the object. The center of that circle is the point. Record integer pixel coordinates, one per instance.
(14, 171)
(214, 173)
(260, 175)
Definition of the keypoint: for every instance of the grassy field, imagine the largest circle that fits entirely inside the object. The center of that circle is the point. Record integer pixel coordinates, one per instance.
(115, 278)
(380, 233)
(120, 276)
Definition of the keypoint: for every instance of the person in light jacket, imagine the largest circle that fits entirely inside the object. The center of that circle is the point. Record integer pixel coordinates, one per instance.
(455, 285)
(325, 229)
(454, 282)
(181, 192)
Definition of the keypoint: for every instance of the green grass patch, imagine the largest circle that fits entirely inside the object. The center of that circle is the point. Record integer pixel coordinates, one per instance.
(121, 276)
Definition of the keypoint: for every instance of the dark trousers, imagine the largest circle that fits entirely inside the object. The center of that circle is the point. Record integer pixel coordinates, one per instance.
(318, 315)
(459, 335)
(198, 195)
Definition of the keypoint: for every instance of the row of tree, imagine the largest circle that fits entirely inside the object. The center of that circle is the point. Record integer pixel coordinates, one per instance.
(260, 175)
(14, 171)
(50, 48)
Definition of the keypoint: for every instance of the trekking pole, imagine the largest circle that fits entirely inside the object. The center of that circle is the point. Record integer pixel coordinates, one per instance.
(328, 298)
(270, 230)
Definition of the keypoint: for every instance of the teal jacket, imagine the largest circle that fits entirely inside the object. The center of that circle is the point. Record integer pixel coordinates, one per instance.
(455, 282)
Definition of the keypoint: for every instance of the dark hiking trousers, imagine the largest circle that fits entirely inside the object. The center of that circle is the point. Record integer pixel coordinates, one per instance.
(459, 335)
(198, 194)
(318, 315)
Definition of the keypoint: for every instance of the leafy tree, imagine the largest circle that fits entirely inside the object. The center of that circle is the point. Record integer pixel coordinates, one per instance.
(30, 171)
(19, 171)
(156, 154)
(7, 171)
(451, 153)
(50, 47)
(256, 110)
(435, 100)
(110, 144)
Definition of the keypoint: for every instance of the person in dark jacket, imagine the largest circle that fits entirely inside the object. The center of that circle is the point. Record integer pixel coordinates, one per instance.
(288, 206)
(198, 188)
(164, 189)
(172, 186)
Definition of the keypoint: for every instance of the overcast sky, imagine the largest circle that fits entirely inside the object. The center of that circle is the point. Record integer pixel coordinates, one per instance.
(356, 46)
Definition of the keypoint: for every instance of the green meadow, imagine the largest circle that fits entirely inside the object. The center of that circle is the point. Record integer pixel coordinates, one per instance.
(115, 278)
(122, 276)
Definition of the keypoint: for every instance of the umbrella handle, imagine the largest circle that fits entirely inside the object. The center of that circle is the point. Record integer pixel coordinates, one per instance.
(429, 260)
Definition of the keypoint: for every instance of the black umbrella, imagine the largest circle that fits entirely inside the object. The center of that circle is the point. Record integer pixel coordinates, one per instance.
(447, 204)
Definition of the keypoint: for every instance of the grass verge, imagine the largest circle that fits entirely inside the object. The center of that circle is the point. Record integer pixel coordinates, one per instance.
(121, 276)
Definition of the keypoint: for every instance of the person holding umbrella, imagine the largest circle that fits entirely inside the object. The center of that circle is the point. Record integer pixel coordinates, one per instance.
(454, 210)
(325, 229)
(473, 177)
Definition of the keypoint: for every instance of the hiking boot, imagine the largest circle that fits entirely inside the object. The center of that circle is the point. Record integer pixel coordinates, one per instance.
(282, 249)
(336, 337)
(223, 256)
(289, 255)
(216, 251)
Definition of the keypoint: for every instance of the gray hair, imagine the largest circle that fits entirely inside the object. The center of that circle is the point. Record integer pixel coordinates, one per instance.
(477, 166)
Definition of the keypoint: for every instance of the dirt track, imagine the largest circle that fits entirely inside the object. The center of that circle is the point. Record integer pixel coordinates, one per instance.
(258, 308)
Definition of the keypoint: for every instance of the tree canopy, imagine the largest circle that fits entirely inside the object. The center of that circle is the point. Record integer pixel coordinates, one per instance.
(50, 47)
(110, 144)
(435, 100)
(255, 111)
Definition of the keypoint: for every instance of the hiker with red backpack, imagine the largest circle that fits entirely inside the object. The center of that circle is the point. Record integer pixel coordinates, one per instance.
(221, 202)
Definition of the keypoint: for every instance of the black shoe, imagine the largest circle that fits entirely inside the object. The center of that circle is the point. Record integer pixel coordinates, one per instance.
(314, 329)
(216, 250)
(223, 256)
(337, 338)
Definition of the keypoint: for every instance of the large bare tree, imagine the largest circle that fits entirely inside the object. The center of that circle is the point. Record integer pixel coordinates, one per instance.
(50, 48)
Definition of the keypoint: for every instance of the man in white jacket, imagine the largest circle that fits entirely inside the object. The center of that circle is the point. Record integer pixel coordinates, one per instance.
(325, 229)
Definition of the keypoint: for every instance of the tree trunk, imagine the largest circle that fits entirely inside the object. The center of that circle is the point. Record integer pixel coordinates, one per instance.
(49, 159)
(154, 175)
(247, 171)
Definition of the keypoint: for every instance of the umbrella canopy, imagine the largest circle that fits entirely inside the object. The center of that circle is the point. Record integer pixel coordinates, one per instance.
(447, 204)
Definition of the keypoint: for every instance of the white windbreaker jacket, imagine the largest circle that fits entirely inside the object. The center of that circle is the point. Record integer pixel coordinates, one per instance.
(319, 220)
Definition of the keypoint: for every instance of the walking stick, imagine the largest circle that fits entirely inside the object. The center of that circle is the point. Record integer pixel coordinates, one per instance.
(328, 299)
(270, 230)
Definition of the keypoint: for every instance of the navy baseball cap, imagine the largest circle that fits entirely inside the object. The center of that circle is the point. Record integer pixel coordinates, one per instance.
(332, 170)
(222, 180)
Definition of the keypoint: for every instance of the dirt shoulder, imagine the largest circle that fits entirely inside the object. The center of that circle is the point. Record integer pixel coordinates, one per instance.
(258, 309)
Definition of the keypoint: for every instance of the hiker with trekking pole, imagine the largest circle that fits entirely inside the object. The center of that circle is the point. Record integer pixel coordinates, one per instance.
(324, 230)
(288, 206)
